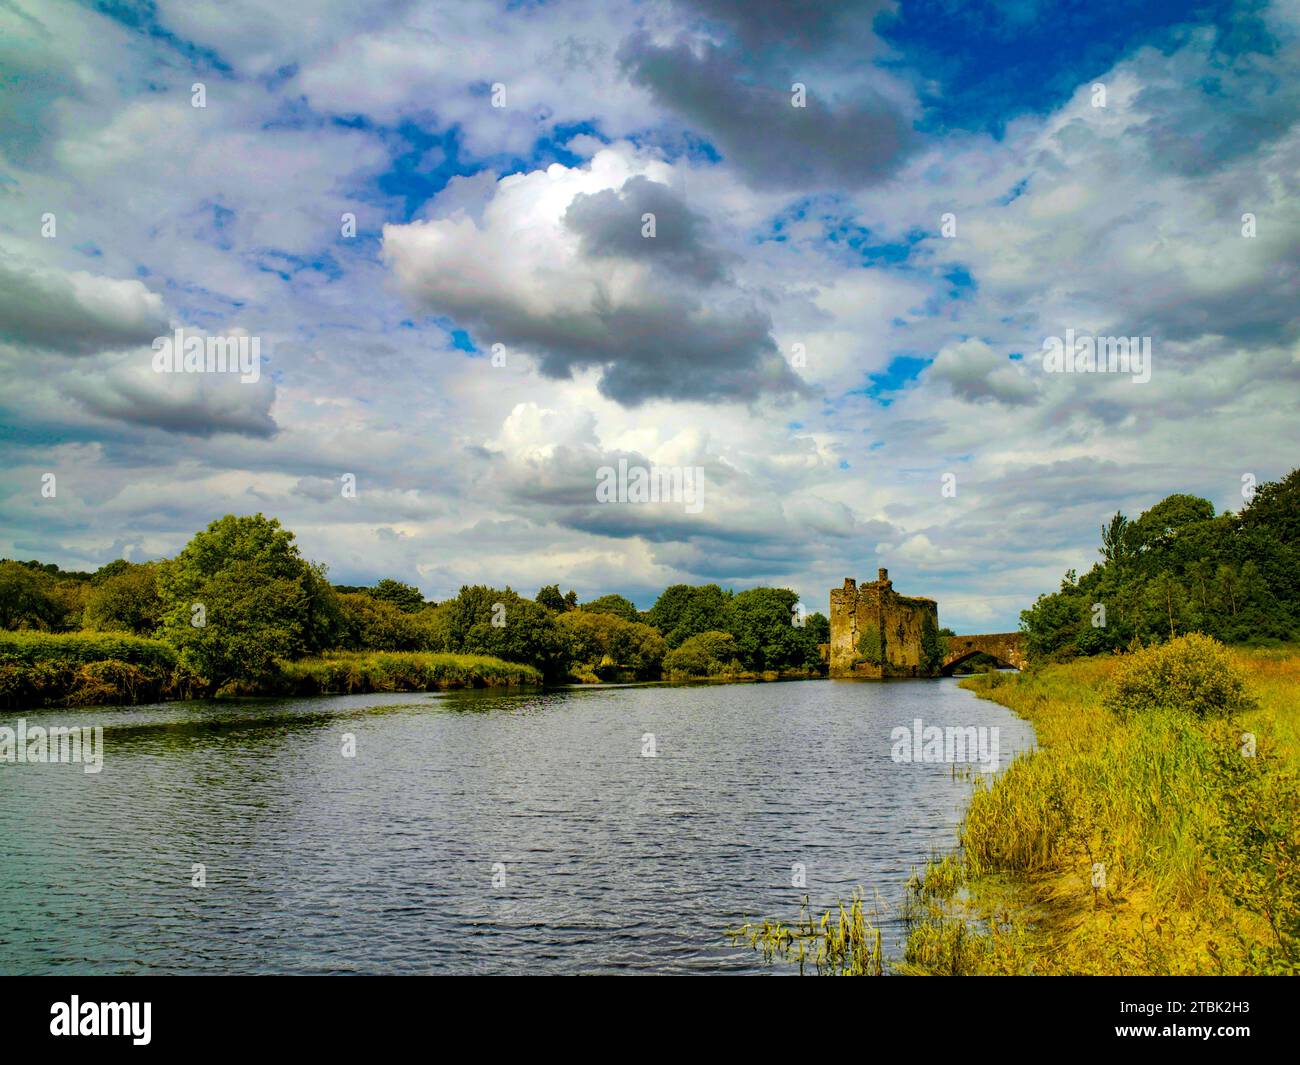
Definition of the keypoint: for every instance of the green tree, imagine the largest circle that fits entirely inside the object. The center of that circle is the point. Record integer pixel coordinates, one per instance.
(240, 596)
(604, 644)
(685, 610)
(406, 597)
(500, 622)
(617, 605)
(126, 599)
(549, 596)
(767, 635)
(30, 598)
(372, 624)
(706, 654)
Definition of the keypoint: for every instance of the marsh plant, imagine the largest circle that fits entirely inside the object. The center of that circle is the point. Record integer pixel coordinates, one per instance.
(845, 941)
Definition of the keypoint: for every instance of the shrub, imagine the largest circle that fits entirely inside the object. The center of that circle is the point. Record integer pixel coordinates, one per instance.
(1193, 674)
(706, 654)
(77, 648)
(602, 644)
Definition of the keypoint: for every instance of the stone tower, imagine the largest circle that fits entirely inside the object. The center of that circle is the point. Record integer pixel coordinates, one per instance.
(875, 632)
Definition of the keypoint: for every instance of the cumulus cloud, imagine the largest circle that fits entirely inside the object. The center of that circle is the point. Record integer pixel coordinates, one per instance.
(191, 404)
(74, 312)
(557, 269)
(851, 139)
(975, 372)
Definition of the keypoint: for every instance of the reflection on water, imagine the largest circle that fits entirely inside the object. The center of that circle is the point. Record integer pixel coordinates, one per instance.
(317, 863)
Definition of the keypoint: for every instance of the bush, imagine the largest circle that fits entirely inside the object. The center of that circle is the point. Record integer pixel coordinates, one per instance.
(1192, 674)
(603, 644)
(706, 654)
(77, 648)
(388, 671)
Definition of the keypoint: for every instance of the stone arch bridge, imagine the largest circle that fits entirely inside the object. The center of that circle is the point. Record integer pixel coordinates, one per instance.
(1005, 647)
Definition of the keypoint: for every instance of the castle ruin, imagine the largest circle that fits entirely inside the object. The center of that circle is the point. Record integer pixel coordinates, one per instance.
(877, 633)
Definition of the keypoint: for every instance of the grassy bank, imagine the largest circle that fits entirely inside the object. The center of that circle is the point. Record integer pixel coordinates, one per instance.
(86, 668)
(90, 669)
(346, 672)
(1145, 844)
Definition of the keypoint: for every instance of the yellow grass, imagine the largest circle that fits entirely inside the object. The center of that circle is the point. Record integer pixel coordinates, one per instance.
(1139, 846)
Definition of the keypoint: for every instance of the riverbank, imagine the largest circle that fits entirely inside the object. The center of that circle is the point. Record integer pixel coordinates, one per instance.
(1152, 844)
(101, 669)
(104, 669)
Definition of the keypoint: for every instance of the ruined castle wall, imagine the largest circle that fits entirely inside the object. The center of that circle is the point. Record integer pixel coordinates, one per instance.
(856, 610)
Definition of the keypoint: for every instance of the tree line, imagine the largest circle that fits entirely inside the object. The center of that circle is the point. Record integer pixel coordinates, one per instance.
(1180, 568)
(241, 598)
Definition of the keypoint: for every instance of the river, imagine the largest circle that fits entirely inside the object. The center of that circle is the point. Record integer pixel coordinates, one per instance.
(472, 832)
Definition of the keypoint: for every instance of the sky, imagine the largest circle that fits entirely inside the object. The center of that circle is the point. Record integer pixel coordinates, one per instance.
(868, 219)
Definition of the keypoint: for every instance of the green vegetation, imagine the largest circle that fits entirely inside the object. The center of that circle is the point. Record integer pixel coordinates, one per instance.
(124, 600)
(86, 668)
(871, 645)
(706, 654)
(617, 605)
(1150, 833)
(1191, 674)
(1179, 568)
(1164, 841)
(845, 942)
(604, 646)
(934, 645)
(240, 598)
(344, 672)
(241, 610)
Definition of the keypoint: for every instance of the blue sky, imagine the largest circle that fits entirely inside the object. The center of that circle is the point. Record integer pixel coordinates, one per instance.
(843, 309)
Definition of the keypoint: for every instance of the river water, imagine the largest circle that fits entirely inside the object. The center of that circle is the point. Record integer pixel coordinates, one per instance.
(472, 832)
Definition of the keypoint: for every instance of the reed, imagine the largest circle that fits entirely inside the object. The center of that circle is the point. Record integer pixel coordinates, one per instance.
(346, 672)
(1156, 840)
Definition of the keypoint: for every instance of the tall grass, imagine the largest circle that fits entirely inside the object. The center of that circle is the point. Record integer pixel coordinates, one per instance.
(84, 669)
(1153, 842)
(389, 671)
(76, 648)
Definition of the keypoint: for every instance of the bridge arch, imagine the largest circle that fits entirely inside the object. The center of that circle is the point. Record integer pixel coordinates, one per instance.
(1003, 647)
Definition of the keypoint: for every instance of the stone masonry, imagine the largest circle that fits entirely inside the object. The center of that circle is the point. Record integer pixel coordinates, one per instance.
(892, 624)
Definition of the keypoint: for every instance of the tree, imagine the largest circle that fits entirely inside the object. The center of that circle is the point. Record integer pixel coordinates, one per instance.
(763, 622)
(549, 596)
(27, 599)
(240, 596)
(934, 645)
(706, 654)
(372, 624)
(685, 610)
(604, 644)
(500, 622)
(617, 605)
(1115, 546)
(406, 597)
(125, 599)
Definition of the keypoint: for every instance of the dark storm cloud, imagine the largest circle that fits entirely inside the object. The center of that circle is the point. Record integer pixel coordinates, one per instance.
(748, 113)
(610, 224)
(75, 314)
(670, 345)
(810, 25)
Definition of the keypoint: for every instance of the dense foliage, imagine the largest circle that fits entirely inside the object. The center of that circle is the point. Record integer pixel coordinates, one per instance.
(240, 597)
(1180, 568)
(240, 605)
(1191, 674)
